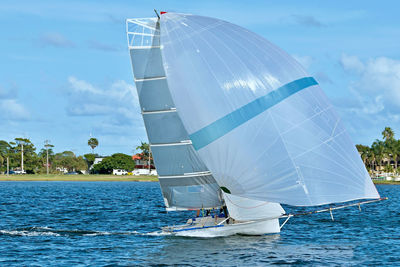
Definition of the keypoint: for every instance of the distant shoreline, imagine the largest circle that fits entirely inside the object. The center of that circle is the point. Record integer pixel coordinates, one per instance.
(103, 178)
(79, 178)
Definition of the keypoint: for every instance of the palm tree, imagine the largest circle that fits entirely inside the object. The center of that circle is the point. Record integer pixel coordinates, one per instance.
(145, 148)
(371, 159)
(393, 147)
(396, 153)
(388, 134)
(379, 150)
(363, 150)
(146, 152)
(93, 143)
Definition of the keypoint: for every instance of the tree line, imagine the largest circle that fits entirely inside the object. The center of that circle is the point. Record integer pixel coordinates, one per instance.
(23, 151)
(382, 155)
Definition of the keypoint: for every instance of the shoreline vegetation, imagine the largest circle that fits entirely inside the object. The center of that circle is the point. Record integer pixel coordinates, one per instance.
(79, 178)
(20, 157)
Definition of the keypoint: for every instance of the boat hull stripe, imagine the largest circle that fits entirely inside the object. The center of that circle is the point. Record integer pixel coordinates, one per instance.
(197, 228)
(229, 122)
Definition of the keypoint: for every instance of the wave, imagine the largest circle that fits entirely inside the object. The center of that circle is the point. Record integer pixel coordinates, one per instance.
(48, 231)
(156, 233)
(27, 233)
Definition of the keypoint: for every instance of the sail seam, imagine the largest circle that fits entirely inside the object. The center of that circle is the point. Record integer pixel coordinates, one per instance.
(181, 143)
(159, 111)
(186, 175)
(142, 47)
(150, 79)
(229, 122)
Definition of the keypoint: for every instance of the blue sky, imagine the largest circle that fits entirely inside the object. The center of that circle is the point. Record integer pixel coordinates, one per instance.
(65, 72)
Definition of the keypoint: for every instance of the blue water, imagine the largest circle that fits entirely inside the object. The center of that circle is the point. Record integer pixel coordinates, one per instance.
(116, 223)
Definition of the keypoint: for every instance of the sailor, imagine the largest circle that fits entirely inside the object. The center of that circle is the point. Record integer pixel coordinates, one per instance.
(225, 211)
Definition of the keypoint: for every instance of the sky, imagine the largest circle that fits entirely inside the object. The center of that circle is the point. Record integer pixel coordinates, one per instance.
(66, 76)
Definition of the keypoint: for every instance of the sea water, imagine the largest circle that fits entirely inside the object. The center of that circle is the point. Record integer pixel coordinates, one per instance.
(117, 223)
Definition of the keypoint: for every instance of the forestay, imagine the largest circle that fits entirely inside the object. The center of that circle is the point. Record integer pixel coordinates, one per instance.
(259, 122)
(185, 181)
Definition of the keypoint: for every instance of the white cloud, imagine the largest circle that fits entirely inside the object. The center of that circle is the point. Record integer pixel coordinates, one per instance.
(88, 109)
(118, 90)
(123, 91)
(10, 109)
(378, 82)
(82, 86)
(117, 102)
(352, 63)
(375, 86)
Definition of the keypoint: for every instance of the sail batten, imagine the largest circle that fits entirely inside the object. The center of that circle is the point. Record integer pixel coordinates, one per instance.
(258, 121)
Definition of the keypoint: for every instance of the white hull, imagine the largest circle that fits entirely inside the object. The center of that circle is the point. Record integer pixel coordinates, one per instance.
(244, 228)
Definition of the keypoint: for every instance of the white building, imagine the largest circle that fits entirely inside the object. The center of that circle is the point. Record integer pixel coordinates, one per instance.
(119, 172)
(96, 161)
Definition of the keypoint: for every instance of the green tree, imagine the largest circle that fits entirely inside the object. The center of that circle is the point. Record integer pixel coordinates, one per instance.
(388, 134)
(363, 150)
(116, 161)
(89, 159)
(378, 147)
(146, 154)
(80, 164)
(367, 156)
(4, 153)
(42, 155)
(68, 160)
(93, 143)
(396, 153)
(371, 159)
(31, 160)
(391, 147)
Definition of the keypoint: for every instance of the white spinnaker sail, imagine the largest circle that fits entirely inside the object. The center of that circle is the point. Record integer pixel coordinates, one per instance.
(244, 209)
(262, 126)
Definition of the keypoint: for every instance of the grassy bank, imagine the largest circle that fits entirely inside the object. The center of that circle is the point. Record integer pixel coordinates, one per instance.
(385, 182)
(94, 178)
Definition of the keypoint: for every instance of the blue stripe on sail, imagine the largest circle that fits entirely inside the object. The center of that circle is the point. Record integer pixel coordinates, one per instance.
(224, 125)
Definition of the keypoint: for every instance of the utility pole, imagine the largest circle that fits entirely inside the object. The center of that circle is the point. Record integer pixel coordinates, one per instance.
(149, 159)
(22, 157)
(22, 143)
(8, 167)
(47, 145)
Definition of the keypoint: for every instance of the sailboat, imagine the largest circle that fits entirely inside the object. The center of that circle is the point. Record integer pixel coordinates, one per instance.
(237, 127)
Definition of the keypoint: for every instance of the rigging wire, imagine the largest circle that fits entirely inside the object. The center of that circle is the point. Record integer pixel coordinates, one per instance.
(334, 208)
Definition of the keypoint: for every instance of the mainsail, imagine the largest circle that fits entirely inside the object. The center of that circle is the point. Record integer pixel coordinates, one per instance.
(258, 121)
(185, 181)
